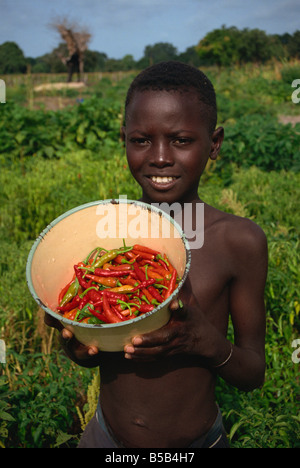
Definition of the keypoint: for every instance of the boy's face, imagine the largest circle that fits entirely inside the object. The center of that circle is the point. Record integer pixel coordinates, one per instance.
(168, 144)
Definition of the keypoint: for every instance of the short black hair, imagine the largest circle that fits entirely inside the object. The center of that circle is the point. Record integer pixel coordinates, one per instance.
(176, 76)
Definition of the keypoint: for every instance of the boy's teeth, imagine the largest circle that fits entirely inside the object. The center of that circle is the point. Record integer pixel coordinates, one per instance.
(162, 180)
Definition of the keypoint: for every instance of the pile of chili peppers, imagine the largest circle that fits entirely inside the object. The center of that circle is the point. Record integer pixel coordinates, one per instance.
(112, 286)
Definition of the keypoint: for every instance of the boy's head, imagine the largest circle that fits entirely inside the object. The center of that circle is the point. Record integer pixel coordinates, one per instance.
(169, 132)
(177, 76)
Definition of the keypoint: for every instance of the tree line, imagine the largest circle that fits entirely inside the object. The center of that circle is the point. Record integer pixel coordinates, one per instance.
(224, 46)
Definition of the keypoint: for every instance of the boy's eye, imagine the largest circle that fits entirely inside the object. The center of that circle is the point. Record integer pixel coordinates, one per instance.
(182, 141)
(139, 141)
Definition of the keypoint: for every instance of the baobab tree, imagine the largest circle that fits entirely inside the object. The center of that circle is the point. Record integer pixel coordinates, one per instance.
(77, 40)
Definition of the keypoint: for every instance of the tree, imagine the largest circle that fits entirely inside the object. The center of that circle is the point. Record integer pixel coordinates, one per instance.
(77, 40)
(94, 61)
(12, 59)
(227, 46)
(294, 45)
(159, 52)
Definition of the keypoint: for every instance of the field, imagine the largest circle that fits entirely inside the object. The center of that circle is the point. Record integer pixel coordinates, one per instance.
(61, 148)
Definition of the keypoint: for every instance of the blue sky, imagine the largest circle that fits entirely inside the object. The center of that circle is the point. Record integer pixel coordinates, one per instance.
(121, 27)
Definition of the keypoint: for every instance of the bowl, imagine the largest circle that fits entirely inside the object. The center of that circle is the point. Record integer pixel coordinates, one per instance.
(106, 223)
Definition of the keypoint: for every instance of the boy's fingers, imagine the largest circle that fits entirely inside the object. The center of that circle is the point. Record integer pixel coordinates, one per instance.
(78, 350)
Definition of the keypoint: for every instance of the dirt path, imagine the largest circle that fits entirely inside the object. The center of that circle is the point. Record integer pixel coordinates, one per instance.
(285, 119)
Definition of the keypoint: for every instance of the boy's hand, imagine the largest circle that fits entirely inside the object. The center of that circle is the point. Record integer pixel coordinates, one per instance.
(184, 333)
(75, 350)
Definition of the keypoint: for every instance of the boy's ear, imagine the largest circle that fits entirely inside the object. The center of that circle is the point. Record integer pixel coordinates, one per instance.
(216, 142)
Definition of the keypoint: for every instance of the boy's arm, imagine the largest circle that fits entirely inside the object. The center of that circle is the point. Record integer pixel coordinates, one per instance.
(246, 367)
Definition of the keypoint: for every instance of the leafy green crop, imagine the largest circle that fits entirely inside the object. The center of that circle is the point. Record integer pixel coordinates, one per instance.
(53, 161)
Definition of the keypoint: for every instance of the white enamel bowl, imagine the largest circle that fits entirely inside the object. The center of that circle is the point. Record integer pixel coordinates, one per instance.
(70, 237)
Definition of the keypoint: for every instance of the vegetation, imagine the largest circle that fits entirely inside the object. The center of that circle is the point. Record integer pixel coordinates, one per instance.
(52, 161)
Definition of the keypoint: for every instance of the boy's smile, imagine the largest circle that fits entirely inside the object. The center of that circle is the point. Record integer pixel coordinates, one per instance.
(168, 144)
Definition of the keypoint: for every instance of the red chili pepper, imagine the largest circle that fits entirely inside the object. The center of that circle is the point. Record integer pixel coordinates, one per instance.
(82, 302)
(105, 281)
(144, 307)
(123, 266)
(94, 296)
(153, 274)
(128, 280)
(156, 266)
(111, 316)
(143, 248)
(98, 315)
(172, 284)
(79, 275)
(144, 284)
(155, 294)
(114, 273)
(139, 273)
(149, 296)
(118, 314)
(70, 305)
(144, 255)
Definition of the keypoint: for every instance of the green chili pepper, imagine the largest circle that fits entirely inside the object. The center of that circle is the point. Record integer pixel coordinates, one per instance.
(110, 255)
(71, 292)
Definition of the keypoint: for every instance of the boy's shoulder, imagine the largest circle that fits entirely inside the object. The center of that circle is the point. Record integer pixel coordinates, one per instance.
(238, 233)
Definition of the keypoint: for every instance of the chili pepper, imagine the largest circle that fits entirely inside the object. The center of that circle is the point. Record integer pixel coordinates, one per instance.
(64, 290)
(130, 255)
(114, 273)
(139, 273)
(127, 312)
(70, 305)
(143, 248)
(144, 255)
(153, 274)
(110, 255)
(107, 257)
(156, 266)
(144, 284)
(105, 281)
(115, 310)
(155, 294)
(172, 284)
(70, 314)
(82, 303)
(129, 280)
(79, 276)
(162, 261)
(93, 294)
(99, 315)
(124, 288)
(145, 307)
(112, 317)
(147, 294)
(71, 292)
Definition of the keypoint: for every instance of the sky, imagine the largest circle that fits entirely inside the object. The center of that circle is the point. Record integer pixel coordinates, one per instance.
(121, 27)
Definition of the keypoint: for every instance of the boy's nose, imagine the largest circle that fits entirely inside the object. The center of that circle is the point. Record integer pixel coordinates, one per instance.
(161, 155)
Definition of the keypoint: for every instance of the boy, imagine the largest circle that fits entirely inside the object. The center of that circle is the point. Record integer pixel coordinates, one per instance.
(159, 393)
